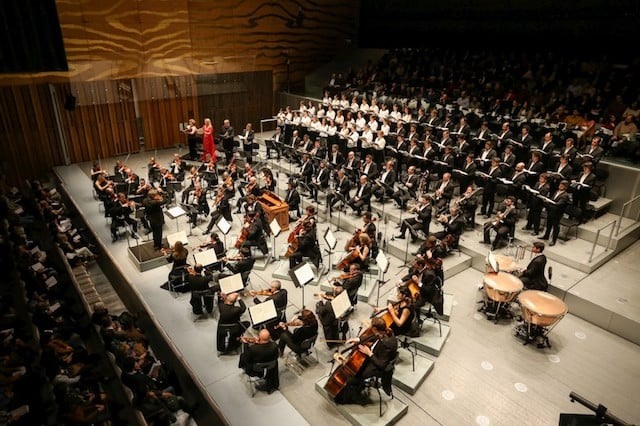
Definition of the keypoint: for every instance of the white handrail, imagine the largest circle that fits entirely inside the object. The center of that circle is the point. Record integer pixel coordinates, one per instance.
(624, 206)
(593, 248)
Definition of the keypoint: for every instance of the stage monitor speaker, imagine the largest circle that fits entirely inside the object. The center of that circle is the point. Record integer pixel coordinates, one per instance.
(70, 103)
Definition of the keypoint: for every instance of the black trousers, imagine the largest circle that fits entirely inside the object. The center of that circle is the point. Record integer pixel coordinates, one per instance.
(156, 230)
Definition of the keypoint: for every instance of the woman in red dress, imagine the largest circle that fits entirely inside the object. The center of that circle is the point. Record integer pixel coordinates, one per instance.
(208, 145)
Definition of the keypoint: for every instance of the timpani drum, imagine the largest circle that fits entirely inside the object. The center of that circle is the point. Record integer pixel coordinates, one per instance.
(506, 263)
(541, 308)
(501, 287)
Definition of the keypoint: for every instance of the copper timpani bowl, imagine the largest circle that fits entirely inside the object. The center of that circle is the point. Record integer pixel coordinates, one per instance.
(541, 308)
(501, 286)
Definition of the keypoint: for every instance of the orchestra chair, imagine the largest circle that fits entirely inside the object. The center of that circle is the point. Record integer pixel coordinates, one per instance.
(262, 368)
(307, 347)
(177, 280)
(376, 382)
(571, 219)
(226, 338)
(203, 295)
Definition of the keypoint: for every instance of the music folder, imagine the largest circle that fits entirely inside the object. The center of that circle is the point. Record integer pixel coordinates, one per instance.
(330, 239)
(206, 257)
(262, 312)
(231, 284)
(546, 199)
(382, 261)
(340, 304)
(275, 227)
(223, 225)
(175, 212)
(528, 188)
(302, 274)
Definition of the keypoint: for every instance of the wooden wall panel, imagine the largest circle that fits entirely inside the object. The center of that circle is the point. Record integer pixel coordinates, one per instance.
(29, 143)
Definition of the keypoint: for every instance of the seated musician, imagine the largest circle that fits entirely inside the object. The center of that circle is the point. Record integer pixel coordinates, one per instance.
(276, 293)
(260, 350)
(251, 190)
(96, 170)
(443, 193)
(269, 181)
(342, 187)
(229, 320)
(243, 265)
(421, 221)
(503, 224)
(369, 168)
(153, 168)
(320, 181)
(533, 277)
(350, 281)
(361, 253)
(388, 178)
(369, 228)
(362, 197)
(380, 348)
(351, 165)
(335, 157)
(274, 144)
(255, 232)
(468, 204)
(453, 224)
(177, 255)
(131, 179)
(408, 186)
(307, 246)
(214, 243)
(307, 326)
(143, 188)
(101, 184)
(221, 208)
(120, 213)
(176, 167)
(199, 286)
(292, 199)
(332, 326)
(199, 204)
(402, 312)
(306, 170)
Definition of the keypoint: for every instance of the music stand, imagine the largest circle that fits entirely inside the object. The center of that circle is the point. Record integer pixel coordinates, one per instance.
(383, 264)
(275, 231)
(189, 210)
(231, 284)
(301, 275)
(175, 213)
(205, 258)
(224, 226)
(262, 313)
(343, 200)
(332, 242)
(177, 236)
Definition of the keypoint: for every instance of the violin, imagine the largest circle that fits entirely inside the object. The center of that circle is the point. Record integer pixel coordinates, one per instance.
(345, 276)
(266, 292)
(293, 323)
(249, 339)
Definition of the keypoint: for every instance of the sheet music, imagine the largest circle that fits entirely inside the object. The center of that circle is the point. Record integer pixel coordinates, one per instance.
(493, 262)
(223, 225)
(231, 284)
(51, 281)
(177, 236)
(341, 304)
(330, 239)
(205, 258)
(304, 274)
(263, 312)
(275, 227)
(382, 261)
(176, 211)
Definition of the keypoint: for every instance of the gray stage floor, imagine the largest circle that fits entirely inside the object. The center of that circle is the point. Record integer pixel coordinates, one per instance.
(483, 375)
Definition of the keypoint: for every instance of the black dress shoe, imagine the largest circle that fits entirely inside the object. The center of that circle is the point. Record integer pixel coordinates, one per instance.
(544, 237)
(552, 243)
(525, 228)
(483, 242)
(401, 237)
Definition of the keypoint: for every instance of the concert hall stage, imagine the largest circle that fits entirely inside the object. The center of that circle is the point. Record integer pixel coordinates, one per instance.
(482, 375)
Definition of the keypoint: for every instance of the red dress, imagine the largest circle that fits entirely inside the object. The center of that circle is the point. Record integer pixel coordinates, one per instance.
(208, 145)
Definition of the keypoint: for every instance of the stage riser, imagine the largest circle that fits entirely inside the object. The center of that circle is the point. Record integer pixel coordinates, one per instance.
(369, 415)
(405, 377)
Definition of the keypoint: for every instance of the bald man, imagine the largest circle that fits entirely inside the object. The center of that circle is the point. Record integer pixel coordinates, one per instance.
(263, 350)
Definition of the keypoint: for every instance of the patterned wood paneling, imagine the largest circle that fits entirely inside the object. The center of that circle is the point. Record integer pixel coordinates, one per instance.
(28, 138)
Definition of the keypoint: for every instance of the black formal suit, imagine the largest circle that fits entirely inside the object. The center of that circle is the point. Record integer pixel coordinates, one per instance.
(260, 353)
(566, 172)
(388, 178)
(275, 144)
(227, 136)
(306, 171)
(222, 209)
(509, 159)
(335, 158)
(554, 214)
(293, 200)
(230, 328)
(503, 139)
(351, 286)
(469, 178)
(320, 182)
(341, 187)
(121, 214)
(535, 205)
(155, 217)
(522, 152)
(199, 286)
(503, 226)
(421, 221)
(465, 130)
(462, 150)
(352, 167)
(489, 194)
(533, 277)
(582, 193)
(294, 340)
(361, 198)
(518, 179)
(255, 235)
(484, 159)
(307, 247)
(570, 153)
(454, 227)
(370, 170)
(403, 195)
(444, 198)
(537, 168)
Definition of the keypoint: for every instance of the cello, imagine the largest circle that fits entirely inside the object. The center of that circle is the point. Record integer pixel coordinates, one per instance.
(245, 232)
(356, 359)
